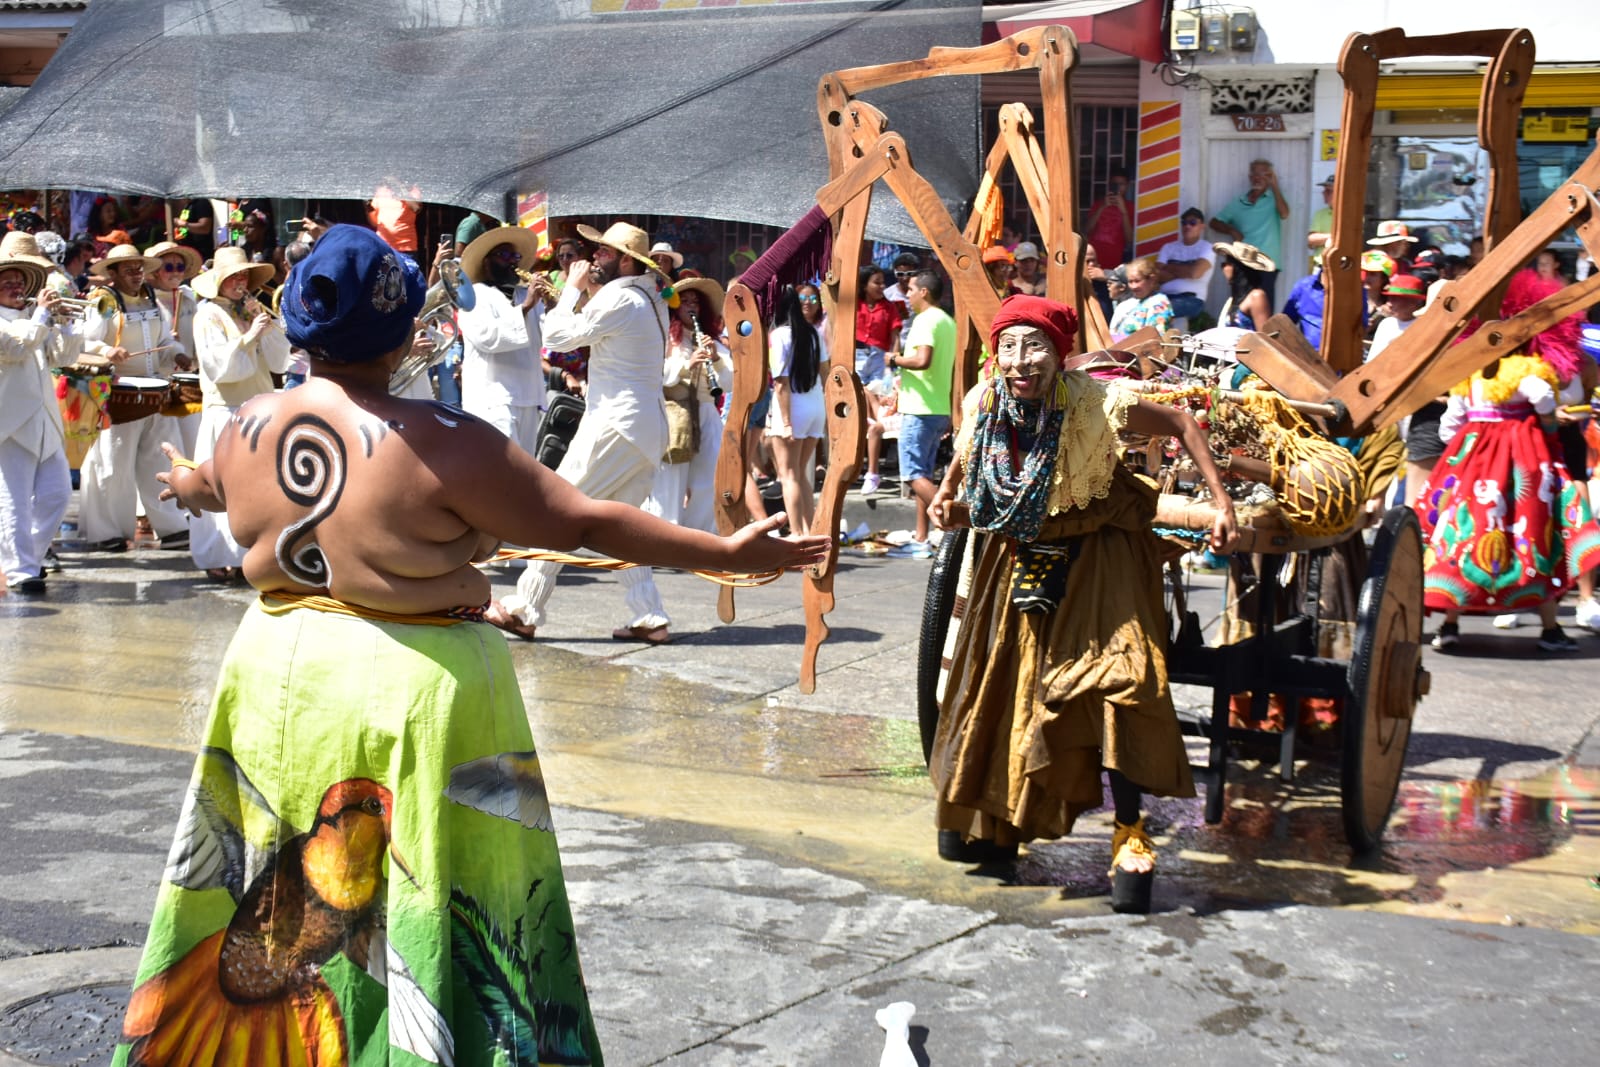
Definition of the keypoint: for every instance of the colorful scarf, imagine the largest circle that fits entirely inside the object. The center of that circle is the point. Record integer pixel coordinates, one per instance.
(1012, 458)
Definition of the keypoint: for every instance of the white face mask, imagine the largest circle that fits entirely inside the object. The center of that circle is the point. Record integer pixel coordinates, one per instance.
(1027, 360)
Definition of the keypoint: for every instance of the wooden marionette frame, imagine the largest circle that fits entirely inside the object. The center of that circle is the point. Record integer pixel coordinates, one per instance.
(861, 152)
(1426, 360)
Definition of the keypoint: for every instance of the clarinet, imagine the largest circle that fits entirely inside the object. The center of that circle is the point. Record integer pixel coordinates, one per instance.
(711, 379)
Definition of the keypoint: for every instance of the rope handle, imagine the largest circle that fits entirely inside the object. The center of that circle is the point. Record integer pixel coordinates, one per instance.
(728, 578)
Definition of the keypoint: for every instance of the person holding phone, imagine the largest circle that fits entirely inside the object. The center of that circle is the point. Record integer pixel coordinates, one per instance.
(1110, 223)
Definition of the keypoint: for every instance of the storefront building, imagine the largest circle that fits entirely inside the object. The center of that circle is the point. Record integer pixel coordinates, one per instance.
(1261, 82)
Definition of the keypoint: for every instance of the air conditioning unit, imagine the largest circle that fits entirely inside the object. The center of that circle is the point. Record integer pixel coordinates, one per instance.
(1185, 31)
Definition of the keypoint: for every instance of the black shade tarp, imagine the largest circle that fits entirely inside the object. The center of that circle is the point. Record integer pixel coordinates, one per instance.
(708, 108)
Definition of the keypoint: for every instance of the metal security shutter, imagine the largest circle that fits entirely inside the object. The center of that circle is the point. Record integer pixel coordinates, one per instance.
(1102, 83)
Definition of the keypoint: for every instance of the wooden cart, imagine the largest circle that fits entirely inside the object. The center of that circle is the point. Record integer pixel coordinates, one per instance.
(1382, 679)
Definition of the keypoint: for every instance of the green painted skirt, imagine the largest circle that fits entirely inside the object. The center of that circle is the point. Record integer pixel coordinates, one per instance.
(364, 870)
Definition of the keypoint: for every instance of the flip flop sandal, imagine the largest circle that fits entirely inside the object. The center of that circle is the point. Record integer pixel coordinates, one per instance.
(497, 616)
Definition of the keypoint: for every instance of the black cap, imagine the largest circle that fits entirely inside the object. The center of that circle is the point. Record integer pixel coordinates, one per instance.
(1193, 213)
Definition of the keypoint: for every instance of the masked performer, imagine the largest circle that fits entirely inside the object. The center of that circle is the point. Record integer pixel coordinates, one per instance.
(365, 869)
(1058, 667)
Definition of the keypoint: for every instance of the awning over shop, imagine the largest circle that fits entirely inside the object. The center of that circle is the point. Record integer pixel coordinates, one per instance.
(1126, 27)
(667, 107)
(1571, 87)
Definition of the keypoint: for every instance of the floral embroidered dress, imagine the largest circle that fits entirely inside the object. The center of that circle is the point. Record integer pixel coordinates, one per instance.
(1154, 310)
(1505, 526)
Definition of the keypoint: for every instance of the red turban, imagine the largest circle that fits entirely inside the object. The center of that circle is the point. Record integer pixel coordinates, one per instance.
(1058, 321)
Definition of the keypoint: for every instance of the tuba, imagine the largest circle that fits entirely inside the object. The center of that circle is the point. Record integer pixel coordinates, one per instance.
(452, 292)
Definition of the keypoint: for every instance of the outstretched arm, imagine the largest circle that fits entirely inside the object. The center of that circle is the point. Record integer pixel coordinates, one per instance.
(1159, 420)
(192, 485)
(944, 509)
(498, 488)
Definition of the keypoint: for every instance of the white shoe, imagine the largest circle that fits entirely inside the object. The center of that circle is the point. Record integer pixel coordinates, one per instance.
(1589, 614)
(870, 483)
(1511, 621)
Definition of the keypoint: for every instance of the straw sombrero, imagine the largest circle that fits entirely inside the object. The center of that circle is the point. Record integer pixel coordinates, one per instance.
(708, 289)
(123, 253)
(623, 238)
(227, 263)
(662, 250)
(17, 245)
(1249, 255)
(192, 261)
(519, 237)
(33, 275)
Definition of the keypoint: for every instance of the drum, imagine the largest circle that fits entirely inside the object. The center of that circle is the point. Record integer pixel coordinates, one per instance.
(184, 397)
(81, 393)
(133, 399)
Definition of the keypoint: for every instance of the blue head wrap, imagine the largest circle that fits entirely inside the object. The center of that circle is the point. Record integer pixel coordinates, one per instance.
(353, 298)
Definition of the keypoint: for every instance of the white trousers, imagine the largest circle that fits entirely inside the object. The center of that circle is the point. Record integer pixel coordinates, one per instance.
(518, 422)
(607, 466)
(210, 540)
(34, 495)
(119, 474)
(683, 493)
(188, 433)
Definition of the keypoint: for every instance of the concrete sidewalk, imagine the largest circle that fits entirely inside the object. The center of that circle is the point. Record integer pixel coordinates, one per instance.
(751, 868)
(702, 950)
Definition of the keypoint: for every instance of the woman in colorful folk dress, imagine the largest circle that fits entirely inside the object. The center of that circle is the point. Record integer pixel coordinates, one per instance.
(365, 869)
(1058, 667)
(1506, 526)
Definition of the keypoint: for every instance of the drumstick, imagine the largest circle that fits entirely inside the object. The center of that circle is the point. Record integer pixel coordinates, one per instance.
(147, 351)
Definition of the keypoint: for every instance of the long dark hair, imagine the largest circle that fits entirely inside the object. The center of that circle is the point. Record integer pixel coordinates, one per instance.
(866, 275)
(805, 352)
(1244, 279)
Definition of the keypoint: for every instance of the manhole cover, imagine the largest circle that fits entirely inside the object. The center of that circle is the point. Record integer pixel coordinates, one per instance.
(67, 1028)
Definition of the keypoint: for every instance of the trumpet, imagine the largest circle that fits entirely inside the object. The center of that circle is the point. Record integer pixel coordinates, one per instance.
(69, 307)
(252, 306)
(537, 282)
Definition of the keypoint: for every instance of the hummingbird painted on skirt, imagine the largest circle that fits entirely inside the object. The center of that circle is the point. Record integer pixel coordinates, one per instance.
(252, 992)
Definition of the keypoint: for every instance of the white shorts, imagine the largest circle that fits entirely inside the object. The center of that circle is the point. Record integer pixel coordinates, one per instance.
(807, 411)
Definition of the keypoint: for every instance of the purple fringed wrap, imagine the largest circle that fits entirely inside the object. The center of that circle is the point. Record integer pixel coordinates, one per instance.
(801, 254)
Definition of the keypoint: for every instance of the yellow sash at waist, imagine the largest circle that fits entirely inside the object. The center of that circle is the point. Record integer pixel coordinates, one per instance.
(278, 601)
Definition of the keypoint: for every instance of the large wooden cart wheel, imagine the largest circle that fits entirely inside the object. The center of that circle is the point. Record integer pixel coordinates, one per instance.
(936, 608)
(1385, 679)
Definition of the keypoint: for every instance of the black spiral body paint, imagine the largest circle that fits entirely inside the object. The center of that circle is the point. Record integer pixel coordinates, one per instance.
(311, 466)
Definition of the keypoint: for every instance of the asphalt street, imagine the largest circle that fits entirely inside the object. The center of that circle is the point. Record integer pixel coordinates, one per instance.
(752, 868)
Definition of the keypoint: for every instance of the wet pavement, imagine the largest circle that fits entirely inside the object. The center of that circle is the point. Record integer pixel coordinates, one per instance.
(753, 869)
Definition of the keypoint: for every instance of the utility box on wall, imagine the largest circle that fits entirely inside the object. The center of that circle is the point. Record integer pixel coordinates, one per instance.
(1242, 31)
(1214, 32)
(1185, 31)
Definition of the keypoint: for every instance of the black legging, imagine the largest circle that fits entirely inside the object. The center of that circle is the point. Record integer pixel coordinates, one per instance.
(1126, 796)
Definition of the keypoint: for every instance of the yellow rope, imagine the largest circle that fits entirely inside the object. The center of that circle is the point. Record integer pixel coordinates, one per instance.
(738, 581)
(278, 601)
